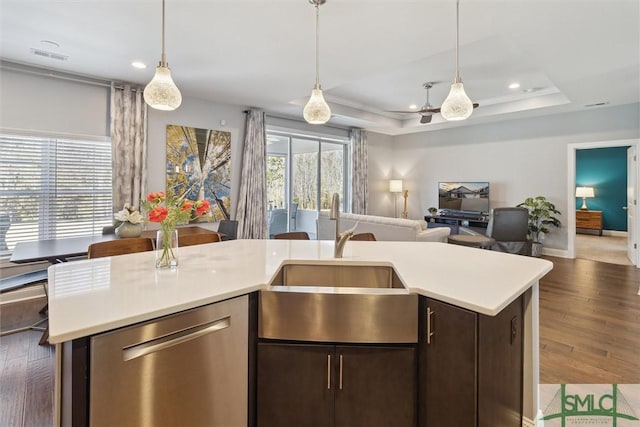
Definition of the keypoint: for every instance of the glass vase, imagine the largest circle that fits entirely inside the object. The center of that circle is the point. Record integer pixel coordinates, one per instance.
(167, 248)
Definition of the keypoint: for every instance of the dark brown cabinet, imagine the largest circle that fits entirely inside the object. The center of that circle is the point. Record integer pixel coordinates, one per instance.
(470, 366)
(448, 385)
(336, 385)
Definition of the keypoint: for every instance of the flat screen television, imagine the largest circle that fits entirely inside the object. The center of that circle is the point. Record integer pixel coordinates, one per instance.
(464, 196)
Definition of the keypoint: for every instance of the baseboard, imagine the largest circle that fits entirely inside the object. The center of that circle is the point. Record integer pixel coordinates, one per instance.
(615, 233)
(560, 253)
(23, 294)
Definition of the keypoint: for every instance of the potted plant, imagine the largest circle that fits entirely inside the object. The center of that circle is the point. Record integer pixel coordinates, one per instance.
(541, 217)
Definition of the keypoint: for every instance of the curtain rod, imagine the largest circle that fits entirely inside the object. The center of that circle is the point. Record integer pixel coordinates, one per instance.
(45, 73)
(293, 119)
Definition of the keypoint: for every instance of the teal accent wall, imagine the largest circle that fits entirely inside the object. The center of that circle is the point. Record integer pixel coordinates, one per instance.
(604, 169)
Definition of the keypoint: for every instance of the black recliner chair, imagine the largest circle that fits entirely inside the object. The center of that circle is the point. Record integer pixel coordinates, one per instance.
(506, 232)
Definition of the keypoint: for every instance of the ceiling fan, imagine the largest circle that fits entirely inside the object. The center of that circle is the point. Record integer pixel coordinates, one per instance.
(427, 110)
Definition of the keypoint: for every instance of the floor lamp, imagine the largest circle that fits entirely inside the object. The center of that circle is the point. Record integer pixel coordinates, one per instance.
(395, 186)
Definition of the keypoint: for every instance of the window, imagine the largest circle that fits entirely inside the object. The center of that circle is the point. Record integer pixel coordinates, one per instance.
(53, 188)
(303, 172)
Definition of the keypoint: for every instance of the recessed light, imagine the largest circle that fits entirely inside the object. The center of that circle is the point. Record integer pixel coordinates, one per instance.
(139, 64)
(413, 106)
(514, 85)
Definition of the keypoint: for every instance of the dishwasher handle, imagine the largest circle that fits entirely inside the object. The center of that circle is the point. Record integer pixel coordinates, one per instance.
(157, 344)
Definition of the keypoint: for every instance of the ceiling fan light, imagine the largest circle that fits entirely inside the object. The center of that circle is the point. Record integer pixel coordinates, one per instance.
(317, 110)
(457, 106)
(162, 93)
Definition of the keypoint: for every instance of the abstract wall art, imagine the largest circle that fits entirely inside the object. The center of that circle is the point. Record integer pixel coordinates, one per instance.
(199, 165)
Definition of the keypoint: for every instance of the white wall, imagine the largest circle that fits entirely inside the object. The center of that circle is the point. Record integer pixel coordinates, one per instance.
(520, 158)
(380, 169)
(200, 114)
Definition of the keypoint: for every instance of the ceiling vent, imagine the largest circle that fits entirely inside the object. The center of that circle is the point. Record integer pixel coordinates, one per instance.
(46, 54)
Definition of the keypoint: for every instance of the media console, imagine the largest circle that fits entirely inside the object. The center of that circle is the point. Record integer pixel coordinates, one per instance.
(478, 224)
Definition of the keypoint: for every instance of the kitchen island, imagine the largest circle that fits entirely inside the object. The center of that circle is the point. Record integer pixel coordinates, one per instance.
(93, 297)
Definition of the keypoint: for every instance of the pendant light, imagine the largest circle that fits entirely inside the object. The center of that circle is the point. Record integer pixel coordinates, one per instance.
(162, 93)
(457, 106)
(317, 110)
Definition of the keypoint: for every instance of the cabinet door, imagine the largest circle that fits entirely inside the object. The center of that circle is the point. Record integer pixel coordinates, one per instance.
(295, 387)
(447, 365)
(500, 367)
(375, 386)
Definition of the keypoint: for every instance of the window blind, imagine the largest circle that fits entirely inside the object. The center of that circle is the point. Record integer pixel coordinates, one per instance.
(53, 188)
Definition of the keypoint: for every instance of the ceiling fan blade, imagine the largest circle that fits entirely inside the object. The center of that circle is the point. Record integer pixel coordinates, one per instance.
(426, 119)
(402, 111)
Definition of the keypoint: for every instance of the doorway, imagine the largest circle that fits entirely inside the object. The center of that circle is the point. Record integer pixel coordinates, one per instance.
(612, 247)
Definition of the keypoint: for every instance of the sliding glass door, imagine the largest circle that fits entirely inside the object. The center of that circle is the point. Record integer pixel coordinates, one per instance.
(303, 172)
(332, 173)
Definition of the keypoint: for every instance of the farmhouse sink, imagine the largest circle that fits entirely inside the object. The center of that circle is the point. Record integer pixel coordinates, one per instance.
(338, 303)
(337, 275)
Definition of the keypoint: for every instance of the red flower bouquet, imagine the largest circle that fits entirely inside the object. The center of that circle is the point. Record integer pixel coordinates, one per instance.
(170, 212)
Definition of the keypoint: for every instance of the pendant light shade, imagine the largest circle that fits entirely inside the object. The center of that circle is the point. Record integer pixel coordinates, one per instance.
(457, 106)
(162, 93)
(317, 110)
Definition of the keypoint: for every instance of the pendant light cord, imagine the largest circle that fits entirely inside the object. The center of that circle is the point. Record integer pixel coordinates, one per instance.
(163, 61)
(457, 80)
(317, 46)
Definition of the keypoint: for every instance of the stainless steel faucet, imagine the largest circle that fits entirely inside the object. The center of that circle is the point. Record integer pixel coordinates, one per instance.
(341, 238)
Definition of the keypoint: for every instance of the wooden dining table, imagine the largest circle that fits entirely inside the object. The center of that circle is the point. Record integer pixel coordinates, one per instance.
(61, 250)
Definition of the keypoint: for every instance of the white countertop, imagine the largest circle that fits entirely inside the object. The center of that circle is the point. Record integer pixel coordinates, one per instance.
(92, 296)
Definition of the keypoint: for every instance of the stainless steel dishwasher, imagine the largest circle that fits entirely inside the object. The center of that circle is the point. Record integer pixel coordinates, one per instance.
(186, 369)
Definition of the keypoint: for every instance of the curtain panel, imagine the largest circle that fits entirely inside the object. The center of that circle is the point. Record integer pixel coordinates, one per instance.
(359, 193)
(129, 145)
(252, 203)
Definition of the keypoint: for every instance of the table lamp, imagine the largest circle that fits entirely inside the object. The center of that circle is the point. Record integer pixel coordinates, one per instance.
(584, 192)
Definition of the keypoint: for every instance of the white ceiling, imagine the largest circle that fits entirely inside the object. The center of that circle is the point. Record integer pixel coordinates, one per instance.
(374, 54)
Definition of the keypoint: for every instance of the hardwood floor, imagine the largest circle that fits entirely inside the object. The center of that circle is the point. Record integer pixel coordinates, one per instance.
(589, 323)
(589, 333)
(26, 369)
